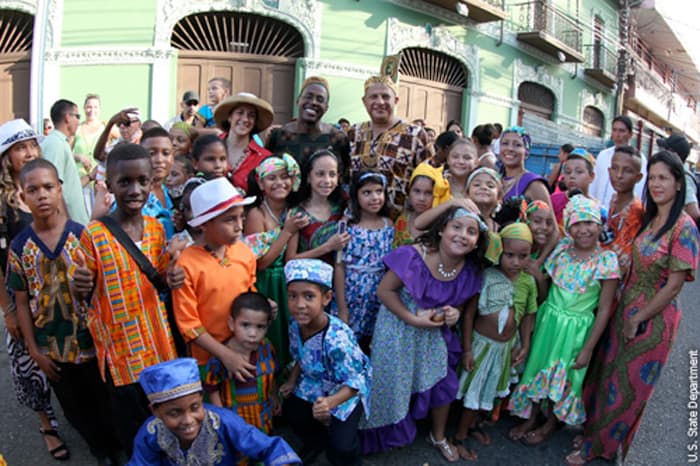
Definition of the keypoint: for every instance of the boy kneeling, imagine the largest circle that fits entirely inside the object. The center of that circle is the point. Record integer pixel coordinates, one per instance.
(184, 430)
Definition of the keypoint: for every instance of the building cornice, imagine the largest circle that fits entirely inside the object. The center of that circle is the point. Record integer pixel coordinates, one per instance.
(108, 56)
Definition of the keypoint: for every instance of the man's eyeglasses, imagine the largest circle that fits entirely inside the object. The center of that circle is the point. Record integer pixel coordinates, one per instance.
(190, 103)
(77, 115)
(126, 124)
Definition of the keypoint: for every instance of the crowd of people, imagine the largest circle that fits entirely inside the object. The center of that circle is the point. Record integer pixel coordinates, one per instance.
(184, 289)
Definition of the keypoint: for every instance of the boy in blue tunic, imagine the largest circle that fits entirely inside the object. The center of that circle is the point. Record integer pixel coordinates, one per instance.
(328, 388)
(186, 431)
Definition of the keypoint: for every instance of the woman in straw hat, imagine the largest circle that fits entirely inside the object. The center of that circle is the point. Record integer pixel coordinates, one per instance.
(240, 116)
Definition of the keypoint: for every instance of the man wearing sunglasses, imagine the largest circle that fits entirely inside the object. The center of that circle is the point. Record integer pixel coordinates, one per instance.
(189, 107)
(56, 149)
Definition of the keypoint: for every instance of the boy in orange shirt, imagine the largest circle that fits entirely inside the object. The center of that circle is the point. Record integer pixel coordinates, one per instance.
(217, 270)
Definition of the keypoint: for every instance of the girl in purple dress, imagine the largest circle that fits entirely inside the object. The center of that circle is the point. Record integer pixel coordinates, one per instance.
(427, 287)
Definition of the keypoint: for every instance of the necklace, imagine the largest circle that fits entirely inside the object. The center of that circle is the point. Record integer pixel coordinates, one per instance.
(268, 209)
(511, 182)
(223, 261)
(444, 274)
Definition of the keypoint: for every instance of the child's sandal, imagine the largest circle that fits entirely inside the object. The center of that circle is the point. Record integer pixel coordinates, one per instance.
(463, 450)
(444, 447)
(478, 434)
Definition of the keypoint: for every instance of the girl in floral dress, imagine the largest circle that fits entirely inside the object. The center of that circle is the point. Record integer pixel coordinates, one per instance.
(321, 202)
(268, 230)
(427, 287)
(360, 268)
(642, 330)
(584, 278)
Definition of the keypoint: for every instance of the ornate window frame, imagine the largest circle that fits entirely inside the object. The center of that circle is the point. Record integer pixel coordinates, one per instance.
(540, 75)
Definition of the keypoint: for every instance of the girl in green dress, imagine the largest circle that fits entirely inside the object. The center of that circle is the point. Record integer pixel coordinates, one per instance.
(569, 324)
(268, 229)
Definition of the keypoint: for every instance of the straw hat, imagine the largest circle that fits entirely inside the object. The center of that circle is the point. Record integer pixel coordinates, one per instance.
(264, 109)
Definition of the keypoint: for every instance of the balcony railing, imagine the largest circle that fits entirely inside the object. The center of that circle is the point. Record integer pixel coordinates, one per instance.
(601, 63)
(540, 24)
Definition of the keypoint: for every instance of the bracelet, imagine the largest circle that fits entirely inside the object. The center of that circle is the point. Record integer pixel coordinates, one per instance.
(10, 311)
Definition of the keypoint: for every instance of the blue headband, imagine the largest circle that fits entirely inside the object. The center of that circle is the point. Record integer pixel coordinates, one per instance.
(462, 212)
(367, 175)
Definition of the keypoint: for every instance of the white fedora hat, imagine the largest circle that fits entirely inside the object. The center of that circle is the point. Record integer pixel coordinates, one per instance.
(213, 198)
(15, 131)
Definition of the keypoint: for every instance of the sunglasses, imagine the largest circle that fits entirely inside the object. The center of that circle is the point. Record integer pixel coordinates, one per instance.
(126, 124)
(77, 115)
(190, 103)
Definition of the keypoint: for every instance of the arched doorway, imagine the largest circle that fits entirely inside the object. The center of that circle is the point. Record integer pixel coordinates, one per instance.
(536, 100)
(16, 29)
(593, 121)
(431, 87)
(256, 53)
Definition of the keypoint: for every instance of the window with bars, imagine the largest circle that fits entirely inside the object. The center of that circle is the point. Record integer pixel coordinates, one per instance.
(593, 120)
(536, 99)
(432, 66)
(238, 33)
(15, 32)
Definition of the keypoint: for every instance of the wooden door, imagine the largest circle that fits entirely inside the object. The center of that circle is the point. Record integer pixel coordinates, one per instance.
(14, 86)
(434, 102)
(431, 87)
(270, 78)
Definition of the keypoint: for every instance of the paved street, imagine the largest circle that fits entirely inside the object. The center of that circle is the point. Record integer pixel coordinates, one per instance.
(662, 438)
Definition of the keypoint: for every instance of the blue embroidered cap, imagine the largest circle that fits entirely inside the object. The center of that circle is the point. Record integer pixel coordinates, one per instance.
(309, 270)
(171, 379)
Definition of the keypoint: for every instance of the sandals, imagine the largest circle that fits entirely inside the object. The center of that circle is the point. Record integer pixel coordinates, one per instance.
(61, 452)
(575, 459)
(479, 435)
(535, 437)
(444, 447)
(463, 449)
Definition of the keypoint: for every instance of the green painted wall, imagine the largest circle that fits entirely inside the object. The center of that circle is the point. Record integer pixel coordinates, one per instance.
(117, 23)
(118, 86)
(353, 32)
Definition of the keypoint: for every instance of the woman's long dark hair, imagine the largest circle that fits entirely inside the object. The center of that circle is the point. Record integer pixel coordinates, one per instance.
(675, 166)
(431, 238)
(304, 193)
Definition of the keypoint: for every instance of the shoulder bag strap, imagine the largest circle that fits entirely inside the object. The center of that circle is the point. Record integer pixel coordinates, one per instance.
(135, 252)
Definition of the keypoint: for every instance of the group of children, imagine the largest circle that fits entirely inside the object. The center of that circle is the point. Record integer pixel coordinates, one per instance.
(307, 299)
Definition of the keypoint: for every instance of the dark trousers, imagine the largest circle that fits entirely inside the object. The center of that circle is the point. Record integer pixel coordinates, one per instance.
(85, 402)
(129, 411)
(340, 439)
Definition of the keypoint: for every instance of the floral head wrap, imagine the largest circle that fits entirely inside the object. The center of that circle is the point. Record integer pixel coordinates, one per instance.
(273, 164)
(489, 171)
(533, 207)
(581, 209)
(520, 131)
(441, 187)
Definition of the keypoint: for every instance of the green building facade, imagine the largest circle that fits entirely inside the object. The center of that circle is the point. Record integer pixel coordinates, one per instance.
(126, 52)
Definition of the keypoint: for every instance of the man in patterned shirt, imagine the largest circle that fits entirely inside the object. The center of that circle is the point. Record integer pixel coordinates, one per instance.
(386, 143)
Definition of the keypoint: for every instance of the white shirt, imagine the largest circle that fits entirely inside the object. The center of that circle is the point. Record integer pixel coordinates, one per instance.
(600, 188)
